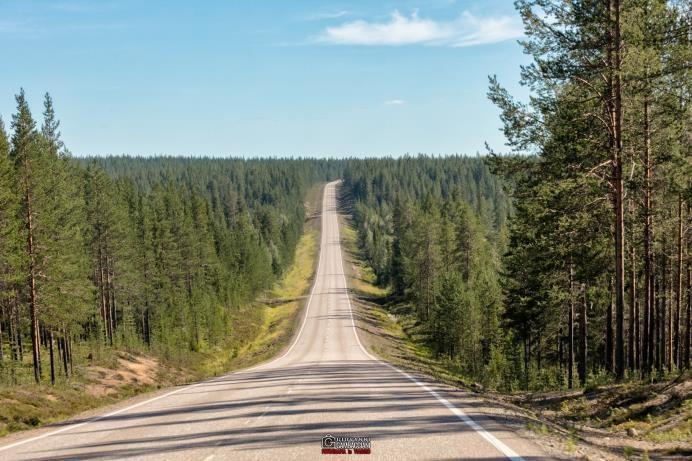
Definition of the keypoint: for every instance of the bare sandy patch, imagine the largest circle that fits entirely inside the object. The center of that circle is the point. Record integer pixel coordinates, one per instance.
(132, 370)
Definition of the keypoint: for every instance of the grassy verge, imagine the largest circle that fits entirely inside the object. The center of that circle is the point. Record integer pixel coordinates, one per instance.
(260, 331)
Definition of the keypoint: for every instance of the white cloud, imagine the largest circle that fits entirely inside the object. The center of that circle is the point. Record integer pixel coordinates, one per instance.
(466, 30)
(327, 15)
(395, 102)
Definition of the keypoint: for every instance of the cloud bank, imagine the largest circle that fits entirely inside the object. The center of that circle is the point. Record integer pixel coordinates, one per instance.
(466, 30)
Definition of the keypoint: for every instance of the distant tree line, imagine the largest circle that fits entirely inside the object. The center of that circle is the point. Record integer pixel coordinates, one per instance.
(132, 252)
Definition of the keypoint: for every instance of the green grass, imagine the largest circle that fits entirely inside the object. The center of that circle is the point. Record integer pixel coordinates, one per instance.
(32, 406)
(540, 429)
(681, 432)
(27, 408)
(570, 445)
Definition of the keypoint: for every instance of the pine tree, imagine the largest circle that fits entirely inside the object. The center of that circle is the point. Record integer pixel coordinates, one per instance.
(26, 155)
(10, 248)
(605, 82)
(51, 125)
(64, 287)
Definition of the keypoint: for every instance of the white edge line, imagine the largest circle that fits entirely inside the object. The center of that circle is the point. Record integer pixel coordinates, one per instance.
(191, 386)
(504, 449)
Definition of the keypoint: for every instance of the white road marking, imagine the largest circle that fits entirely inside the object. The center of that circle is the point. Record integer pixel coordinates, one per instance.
(504, 449)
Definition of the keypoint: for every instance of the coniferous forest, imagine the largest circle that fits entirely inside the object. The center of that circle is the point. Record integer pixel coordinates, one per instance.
(258, 230)
(433, 229)
(589, 278)
(129, 252)
(598, 268)
(564, 261)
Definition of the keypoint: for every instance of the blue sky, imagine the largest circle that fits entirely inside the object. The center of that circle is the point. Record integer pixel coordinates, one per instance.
(249, 78)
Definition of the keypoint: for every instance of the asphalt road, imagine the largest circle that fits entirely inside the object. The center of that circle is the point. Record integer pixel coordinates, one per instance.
(324, 383)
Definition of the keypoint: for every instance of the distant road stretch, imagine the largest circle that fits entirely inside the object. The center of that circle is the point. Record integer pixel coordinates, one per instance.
(325, 383)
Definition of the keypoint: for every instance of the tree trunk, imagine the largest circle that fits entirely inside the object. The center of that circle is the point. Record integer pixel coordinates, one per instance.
(661, 314)
(12, 333)
(2, 343)
(582, 337)
(105, 300)
(609, 352)
(688, 320)
(649, 288)
(68, 343)
(677, 356)
(570, 331)
(19, 350)
(527, 360)
(147, 323)
(33, 307)
(52, 357)
(632, 354)
(668, 319)
(539, 353)
(65, 359)
(560, 352)
(111, 292)
(618, 193)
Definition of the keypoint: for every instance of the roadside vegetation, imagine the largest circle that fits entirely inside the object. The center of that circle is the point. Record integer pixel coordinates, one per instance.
(100, 373)
(144, 255)
(631, 420)
(568, 267)
(556, 275)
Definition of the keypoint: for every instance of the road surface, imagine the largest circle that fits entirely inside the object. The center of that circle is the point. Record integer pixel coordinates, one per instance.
(324, 383)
